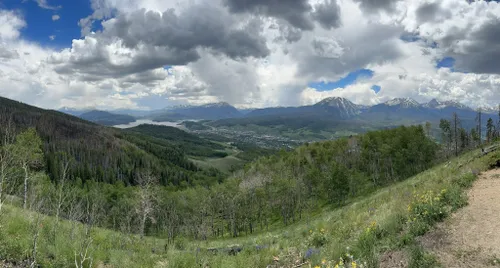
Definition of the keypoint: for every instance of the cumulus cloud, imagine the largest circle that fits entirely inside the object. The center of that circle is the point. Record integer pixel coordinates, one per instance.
(55, 17)
(377, 5)
(328, 14)
(10, 25)
(257, 53)
(295, 12)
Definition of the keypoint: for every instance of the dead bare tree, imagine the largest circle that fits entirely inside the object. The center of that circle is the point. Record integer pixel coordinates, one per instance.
(146, 197)
(62, 195)
(92, 213)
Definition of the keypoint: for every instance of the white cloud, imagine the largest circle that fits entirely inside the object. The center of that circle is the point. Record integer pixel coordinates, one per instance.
(45, 5)
(52, 37)
(10, 25)
(257, 55)
(55, 17)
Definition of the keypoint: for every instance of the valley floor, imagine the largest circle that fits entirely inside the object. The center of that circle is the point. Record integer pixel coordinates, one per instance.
(471, 237)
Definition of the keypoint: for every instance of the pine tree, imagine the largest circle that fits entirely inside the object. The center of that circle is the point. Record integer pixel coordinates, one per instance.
(456, 128)
(445, 127)
(490, 130)
(479, 125)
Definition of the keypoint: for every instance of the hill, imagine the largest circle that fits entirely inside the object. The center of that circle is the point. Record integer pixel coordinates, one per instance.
(101, 154)
(369, 229)
(188, 143)
(107, 118)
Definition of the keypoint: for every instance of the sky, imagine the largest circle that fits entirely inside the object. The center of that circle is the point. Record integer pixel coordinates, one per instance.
(150, 54)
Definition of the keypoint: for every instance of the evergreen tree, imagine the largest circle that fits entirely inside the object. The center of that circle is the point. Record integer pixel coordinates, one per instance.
(446, 136)
(490, 130)
(456, 128)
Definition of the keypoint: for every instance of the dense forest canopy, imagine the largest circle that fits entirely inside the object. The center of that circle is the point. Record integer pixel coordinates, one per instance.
(105, 154)
(277, 189)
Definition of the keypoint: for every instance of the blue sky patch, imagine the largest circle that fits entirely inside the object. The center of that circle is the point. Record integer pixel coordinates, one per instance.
(54, 25)
(409, 37)
(376, 88)
(447, 62)
(347, 80)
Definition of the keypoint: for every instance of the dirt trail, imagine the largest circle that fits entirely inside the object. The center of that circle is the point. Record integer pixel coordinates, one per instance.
(471, 237)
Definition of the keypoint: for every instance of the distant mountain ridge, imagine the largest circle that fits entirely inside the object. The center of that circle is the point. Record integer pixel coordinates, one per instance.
(107, 118)
(334, 107)
(210, 111)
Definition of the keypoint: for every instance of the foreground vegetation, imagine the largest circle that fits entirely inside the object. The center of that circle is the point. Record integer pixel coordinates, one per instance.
(386, 220)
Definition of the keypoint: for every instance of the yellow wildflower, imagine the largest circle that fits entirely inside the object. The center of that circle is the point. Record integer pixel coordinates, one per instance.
(317, 266)
(353, 264)
(310, 231)
(323, 261)
(336, 266)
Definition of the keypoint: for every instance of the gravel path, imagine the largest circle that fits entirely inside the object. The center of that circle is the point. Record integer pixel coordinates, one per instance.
(471, 237)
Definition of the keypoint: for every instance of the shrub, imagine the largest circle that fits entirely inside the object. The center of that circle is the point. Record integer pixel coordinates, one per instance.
(420, 259)
(317, 238)
(180, 243)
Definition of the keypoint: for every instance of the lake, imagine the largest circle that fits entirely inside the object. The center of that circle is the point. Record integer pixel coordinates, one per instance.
(151, 122)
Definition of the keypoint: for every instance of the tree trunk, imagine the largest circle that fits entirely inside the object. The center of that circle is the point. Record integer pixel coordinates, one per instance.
(143, 224)
(2, 175)
(25, 168)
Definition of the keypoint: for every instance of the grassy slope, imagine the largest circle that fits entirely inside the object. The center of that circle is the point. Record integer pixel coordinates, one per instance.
(341, 228)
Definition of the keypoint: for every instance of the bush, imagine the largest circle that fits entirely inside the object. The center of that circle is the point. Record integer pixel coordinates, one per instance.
(180, 243)
(366, 245)
(425, 210)
(420, 259)
(465, 181)
(317, 238)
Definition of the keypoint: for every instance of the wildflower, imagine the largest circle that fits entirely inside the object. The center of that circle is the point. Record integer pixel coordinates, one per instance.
(322, 230)
(323, 261)
(317, 266)
(336, 266)
(353, 264)
(310, 231)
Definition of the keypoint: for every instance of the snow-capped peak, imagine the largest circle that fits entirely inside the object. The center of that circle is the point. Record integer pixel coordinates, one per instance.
(216, 105)
(455, 104)
(336, 101)
(435, 104)
(345, 106)
(403, 102)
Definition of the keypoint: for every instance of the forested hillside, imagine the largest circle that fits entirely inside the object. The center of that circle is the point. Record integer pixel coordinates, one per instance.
(107, 118)
(102, 154)
(271, 193)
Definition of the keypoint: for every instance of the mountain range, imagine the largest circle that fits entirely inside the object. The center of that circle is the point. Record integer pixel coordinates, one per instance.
(394, 111)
